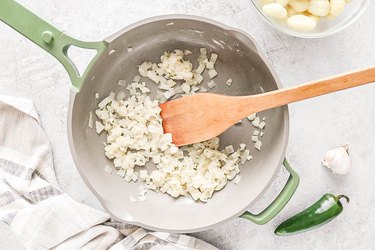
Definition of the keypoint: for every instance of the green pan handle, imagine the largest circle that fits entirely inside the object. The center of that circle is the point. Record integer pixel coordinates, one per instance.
(279, 203)
(48, 37)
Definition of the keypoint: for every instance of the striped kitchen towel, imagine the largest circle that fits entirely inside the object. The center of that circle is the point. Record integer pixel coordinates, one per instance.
(40, 213)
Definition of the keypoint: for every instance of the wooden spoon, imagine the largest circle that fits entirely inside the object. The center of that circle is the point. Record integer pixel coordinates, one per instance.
(203, 116)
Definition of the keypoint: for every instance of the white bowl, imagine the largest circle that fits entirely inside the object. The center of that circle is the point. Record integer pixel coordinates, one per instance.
(325, 27)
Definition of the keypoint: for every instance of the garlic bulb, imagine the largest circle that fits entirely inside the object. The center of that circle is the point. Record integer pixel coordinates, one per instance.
(338, 160)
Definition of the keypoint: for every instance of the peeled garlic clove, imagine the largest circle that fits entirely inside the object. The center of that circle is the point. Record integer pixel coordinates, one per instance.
(337, 7)
(338, 160)
(275, 10)
(319, 7)
(301, 23)
(299, 5)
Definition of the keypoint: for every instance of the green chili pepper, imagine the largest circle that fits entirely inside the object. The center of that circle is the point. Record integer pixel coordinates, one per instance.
(320, 213)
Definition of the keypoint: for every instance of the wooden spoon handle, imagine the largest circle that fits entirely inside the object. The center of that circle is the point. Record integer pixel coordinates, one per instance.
(316, 88)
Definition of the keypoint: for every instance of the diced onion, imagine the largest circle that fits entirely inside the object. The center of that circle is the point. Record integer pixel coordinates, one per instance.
(122, 83)
(135, 133)
(91, 120)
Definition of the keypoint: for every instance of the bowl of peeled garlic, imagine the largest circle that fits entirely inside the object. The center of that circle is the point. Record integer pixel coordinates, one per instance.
(310, 18)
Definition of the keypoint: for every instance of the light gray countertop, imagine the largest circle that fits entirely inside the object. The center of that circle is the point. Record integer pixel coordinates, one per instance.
(316, 125)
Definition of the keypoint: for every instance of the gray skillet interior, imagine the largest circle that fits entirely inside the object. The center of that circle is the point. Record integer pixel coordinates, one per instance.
(239, 60)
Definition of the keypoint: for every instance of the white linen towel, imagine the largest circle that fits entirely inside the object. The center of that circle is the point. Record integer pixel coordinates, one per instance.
(40, 213)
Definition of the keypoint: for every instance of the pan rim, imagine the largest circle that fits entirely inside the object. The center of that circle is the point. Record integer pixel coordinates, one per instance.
(285, 112)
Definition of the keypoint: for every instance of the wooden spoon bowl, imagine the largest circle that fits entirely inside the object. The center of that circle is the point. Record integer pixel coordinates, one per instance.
(203, 116)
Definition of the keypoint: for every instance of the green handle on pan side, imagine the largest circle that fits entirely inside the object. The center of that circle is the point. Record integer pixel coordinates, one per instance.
(48, 37)
(279, 203)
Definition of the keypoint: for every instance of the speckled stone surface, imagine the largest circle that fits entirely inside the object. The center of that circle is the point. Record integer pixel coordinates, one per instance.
(316, 125)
